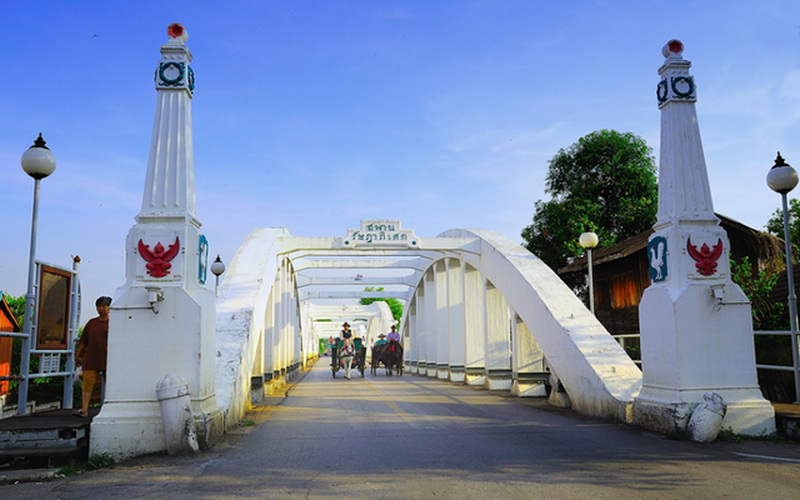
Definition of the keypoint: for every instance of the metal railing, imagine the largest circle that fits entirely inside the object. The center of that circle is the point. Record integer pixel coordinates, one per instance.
(795, 368)
(624, 339)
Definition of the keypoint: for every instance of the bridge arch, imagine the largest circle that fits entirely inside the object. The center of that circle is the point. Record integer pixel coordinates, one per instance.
(479, 309)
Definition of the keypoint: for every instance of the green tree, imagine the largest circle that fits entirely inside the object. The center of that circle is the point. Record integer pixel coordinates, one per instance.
(757, 285)
(606, 183)
(17, 305)
(394, 305)
(775, 225)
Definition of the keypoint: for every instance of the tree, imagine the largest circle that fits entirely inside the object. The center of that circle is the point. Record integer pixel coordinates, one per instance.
(775, 225)
(758, 285)
(606, 183)
(394, 305)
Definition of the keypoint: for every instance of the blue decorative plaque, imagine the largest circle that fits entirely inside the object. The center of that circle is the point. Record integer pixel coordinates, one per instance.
(657, 256)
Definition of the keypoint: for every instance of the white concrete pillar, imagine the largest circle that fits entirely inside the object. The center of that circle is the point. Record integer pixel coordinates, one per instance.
(696, 324)
(498, 341)
(455, 300)
(442, 321)
(162, 319)
(422, 331)
(474, 326)
(527, 362)
(277, 339)
(267, 341)
(430, 324)
(411, 337)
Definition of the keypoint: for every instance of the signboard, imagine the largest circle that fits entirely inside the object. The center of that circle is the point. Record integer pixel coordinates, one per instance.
(381, 233)
(54, 294)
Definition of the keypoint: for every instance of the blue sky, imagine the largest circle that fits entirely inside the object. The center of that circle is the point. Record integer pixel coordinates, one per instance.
(313, 115)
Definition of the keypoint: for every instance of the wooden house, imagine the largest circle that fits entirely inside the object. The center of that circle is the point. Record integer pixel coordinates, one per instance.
(8, 323)
(621, 271)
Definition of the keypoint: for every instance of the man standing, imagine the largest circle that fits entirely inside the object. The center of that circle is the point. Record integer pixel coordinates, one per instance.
(93, 352)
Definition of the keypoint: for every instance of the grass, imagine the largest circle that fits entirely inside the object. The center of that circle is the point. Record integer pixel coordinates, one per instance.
(727, 435)
(95, 462)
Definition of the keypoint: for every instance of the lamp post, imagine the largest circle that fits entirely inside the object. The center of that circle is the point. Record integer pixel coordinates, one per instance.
(38, 162)
(782, 178)
(588, 241)
(217, 268)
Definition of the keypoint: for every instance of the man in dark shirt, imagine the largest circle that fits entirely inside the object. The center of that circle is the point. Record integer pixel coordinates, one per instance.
(93, 352)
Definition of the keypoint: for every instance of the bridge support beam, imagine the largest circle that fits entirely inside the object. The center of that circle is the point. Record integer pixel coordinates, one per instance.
(498, 348)
(474, 327)
(528, 362)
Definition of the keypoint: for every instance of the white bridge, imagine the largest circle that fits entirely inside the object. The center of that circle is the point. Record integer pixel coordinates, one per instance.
(479, 309)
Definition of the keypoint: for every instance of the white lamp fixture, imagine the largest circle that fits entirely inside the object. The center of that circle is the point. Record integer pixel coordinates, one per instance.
(217, 268)
(38, 161)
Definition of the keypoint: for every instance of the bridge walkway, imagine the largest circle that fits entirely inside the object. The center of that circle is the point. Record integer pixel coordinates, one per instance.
(419, 437)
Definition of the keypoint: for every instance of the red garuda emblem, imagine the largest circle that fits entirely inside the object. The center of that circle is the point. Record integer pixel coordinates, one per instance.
(706, 258)
(158, 259)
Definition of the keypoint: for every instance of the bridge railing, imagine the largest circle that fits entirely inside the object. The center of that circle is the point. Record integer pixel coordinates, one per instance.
(795, 367)
(625, 341)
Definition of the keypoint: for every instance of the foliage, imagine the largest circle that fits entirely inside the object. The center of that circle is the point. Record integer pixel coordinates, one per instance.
(775, 224)
(757, 285)
(394, 305)
(17, 305)
(94, 462)
(606, 183)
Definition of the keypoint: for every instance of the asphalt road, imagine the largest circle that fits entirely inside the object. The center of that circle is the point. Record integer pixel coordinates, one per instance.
(415, 437)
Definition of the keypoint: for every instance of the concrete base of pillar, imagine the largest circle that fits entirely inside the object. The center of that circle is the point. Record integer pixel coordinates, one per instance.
(748, 417)
(475, 376)
(528, 389)
(456, 374)
(498, 380)
(559, 399)
(430, 370)
(126, 429)
(442, 371)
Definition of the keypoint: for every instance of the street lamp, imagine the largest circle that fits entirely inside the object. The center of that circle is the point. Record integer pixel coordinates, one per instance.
(217, 268)
(38, 162)
(782, 178)
(588, 241)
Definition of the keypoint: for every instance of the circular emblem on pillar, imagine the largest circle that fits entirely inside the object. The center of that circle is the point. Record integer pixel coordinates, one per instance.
(661, 91)
(683, 86)
(171, 73)
(191, 79)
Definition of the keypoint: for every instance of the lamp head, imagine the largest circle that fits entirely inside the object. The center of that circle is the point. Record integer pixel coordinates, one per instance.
(38, 161)
(217, 267)
(588, 240)
(781, 178)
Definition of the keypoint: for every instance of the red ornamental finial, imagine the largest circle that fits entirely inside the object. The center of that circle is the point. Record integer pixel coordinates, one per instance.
(673, 48)
(175, 30)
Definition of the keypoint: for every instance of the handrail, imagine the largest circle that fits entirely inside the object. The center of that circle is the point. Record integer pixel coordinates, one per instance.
(795, 367)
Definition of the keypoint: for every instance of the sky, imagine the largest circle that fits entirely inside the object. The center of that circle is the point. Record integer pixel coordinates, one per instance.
(313, 115)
